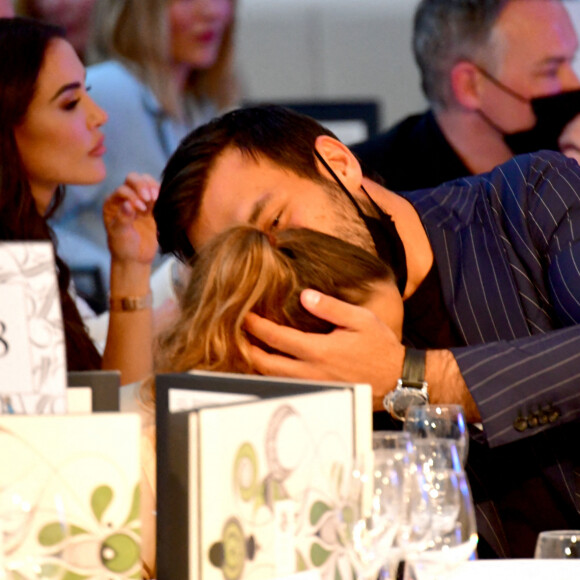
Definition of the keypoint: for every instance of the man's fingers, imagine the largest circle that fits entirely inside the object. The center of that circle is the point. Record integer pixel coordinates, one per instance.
(337, 312)
(281, 338)
(277, 365)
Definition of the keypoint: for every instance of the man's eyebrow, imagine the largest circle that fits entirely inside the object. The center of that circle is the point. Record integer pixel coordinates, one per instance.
(258, 208)
(65, 88)
(553, 60)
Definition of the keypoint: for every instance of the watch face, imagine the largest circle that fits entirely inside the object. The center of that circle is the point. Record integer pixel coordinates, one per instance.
(398, 401)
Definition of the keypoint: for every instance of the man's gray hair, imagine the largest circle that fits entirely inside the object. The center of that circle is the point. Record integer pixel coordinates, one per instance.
(447, 32)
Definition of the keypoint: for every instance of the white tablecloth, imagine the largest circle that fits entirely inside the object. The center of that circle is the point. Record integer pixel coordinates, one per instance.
(517, 569)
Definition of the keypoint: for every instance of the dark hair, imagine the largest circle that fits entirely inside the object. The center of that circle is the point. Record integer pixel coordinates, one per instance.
(276, 133)
(245, 270)
(446, 32)
(23, 45)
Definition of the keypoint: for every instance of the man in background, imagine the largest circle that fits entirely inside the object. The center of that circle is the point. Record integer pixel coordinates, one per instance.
(484, 64)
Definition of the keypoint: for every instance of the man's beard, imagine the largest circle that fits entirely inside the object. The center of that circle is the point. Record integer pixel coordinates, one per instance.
(348, 225)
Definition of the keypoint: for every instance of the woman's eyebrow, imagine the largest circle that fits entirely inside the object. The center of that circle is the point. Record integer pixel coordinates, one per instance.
(64, 89)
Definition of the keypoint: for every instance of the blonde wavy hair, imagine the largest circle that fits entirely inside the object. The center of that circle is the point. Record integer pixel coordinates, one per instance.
(245, 270)
(136, 32)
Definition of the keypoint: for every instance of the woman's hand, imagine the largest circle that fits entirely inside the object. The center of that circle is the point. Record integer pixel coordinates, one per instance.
(128, 217)
(132, 238)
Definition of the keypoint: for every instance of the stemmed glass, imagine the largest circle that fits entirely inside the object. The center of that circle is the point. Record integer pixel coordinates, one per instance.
(558, 544)
(396, 441)
(396, 447)
(442, 498)
(370, 516)
(439, 421)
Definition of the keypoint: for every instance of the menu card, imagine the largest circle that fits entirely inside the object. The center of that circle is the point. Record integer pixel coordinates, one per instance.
(69, 496)
(249, 477)
(32, 349)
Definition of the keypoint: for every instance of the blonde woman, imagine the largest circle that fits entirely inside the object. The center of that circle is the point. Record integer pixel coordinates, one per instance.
(165, 67)
(72, 15)
(246, 270)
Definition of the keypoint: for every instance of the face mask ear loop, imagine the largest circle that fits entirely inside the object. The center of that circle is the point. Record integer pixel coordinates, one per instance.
(340, 184)
(500, 85)
(346, 191)
(402, 272)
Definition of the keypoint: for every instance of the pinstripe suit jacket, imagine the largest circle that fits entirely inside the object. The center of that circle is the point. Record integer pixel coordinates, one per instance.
(507, 247)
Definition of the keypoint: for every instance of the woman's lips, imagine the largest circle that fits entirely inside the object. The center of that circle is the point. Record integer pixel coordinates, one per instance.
(99, 149)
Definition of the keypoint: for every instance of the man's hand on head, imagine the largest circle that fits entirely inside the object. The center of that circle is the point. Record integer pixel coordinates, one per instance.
(361, 349)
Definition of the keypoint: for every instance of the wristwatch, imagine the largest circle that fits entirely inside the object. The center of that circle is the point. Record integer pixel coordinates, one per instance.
(411, 388)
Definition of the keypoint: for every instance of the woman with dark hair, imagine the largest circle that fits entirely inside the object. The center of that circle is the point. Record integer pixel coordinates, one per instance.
(159, 68)
(49, 136)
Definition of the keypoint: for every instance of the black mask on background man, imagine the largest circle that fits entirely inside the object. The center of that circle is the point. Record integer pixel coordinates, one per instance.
(552, 112)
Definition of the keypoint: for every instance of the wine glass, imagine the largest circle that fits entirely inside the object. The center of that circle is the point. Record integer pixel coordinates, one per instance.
(442, 421)
(370, 515)
(394, 447)
(446, 497)
(558, 544)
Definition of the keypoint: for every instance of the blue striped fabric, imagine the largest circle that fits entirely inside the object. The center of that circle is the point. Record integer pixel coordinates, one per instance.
(507, 246)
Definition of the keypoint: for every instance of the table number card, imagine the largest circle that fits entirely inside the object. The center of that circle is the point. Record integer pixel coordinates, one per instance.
(32, 348)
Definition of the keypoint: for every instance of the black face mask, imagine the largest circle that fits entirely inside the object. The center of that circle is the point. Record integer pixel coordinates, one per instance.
(387, 241)
(552, 112)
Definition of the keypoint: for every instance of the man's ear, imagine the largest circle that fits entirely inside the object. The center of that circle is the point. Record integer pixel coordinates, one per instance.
(341, 160)
(466, 85)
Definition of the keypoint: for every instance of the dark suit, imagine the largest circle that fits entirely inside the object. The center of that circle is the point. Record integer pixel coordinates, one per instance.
(507, 248)
(413, 154)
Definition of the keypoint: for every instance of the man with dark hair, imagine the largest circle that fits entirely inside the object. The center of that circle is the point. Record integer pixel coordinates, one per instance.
(499, 80)
(488, 270)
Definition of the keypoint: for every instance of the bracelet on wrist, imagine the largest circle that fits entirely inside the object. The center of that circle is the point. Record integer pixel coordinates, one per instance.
(130, 303)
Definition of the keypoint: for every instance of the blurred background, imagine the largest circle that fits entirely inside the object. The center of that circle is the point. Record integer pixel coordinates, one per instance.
(334, 50)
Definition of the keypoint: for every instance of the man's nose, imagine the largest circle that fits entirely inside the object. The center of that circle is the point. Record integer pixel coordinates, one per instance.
(569, 78)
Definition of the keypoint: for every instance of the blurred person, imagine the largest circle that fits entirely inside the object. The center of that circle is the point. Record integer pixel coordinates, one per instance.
(492, 71)
(6, 9)
(487, 270)
(73, 15)
(166, 68)
(569, 140)
(51, 134)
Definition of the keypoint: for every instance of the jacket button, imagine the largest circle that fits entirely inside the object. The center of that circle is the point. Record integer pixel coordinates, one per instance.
(533, 420)
(520, 424)
(542, 417)
(553, 415)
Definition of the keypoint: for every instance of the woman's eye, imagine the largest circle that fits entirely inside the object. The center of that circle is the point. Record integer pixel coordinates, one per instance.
(71, 105)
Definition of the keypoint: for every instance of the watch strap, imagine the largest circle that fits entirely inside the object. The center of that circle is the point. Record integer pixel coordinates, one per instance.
(413, 368)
